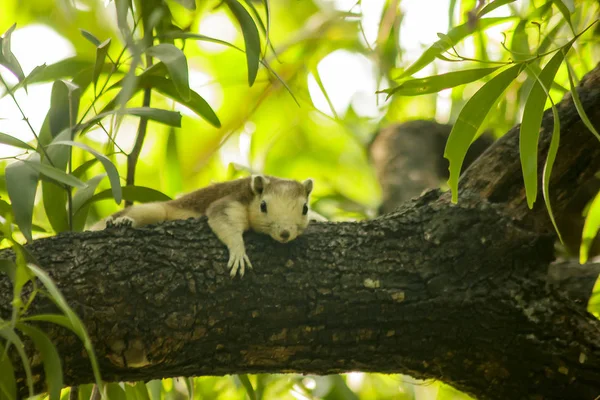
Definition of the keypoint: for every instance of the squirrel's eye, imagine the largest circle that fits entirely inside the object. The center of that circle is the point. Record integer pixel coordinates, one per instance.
(305, 210)
(263, 206)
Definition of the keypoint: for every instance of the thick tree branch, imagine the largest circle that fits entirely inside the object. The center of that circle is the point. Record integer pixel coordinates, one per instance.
(452, 292)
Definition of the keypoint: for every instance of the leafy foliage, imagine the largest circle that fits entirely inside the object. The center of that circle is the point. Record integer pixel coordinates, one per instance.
(148, 91)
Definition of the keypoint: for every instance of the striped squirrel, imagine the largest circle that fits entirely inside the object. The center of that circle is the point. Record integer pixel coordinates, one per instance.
(273, 206)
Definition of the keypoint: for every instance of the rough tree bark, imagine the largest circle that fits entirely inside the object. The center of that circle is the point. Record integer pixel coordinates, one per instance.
(458, 293)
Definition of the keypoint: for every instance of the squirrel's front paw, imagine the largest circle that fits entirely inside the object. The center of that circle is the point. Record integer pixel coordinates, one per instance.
(120, 221)
(238, 261)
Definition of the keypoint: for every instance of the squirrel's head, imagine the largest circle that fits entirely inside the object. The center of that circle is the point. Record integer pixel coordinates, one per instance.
(279, 207)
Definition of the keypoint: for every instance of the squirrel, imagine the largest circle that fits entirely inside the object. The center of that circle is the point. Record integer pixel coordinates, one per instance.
(266, 204)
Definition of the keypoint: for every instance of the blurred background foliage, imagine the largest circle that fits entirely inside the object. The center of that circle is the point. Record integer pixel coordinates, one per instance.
(312, 113)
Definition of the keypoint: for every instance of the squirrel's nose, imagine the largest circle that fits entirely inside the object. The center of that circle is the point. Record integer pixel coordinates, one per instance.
(285, 235)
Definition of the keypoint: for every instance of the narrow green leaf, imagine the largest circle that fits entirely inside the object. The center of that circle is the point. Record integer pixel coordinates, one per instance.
(114, 391)
(13, 141)
(8, 383)
(137, 391)
(456, 35)
(12, 338)
(21, 184)
(176, 63)
(519, 45)
(451, 8)
(62, 69)
(197, 36)
(83, 168)
(268, 26)
(89, 36)
(492, 6)
(53, 318)
(565, 13)
(590, 229)
(56, 174)
(7, 58)
(28, 79)
(109, 167)
(188, 35)
(578, 105)
(50, 359)
(54, 196)
(471, 118)
(552, 151)
(76, 325)
(248, 386)
(64, 106)
(435, 83)
(195, 103)
(140, 194)
(172, 118)
(80, 212)
(101, 52)
(251, 38)
(530, 126)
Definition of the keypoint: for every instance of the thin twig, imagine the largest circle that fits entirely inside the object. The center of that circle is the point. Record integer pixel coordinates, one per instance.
(133, 157)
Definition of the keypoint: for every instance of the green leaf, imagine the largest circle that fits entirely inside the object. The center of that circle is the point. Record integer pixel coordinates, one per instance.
(552, 151)
(76, 325)
(50, 359)
(451, 8)
(56, 174)
(248, 386)
(471, 118)
(83, 168)
(64, 106)
(13, 141)
(21, 184)
(12, 338)
(8, 383)
(114, 391)
(251, 38)
(492, 6)
(7, 58)
(81, 197)
(101, 52)
(530, 126)
(172, 118)
(140, 194)
(53, 318)
(195, 103)
(138, 391)
(590, 229)
(89, 36)
(176, 64)
(62, 69)
(519, 45)
(456, 35)
(197, 36)
(565, 13)
(435, 83)
(109, 167)
(578, 105)
(54, 196)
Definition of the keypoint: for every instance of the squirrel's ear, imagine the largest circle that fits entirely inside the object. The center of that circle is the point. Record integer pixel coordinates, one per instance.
(308, 186)
(258, 183)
